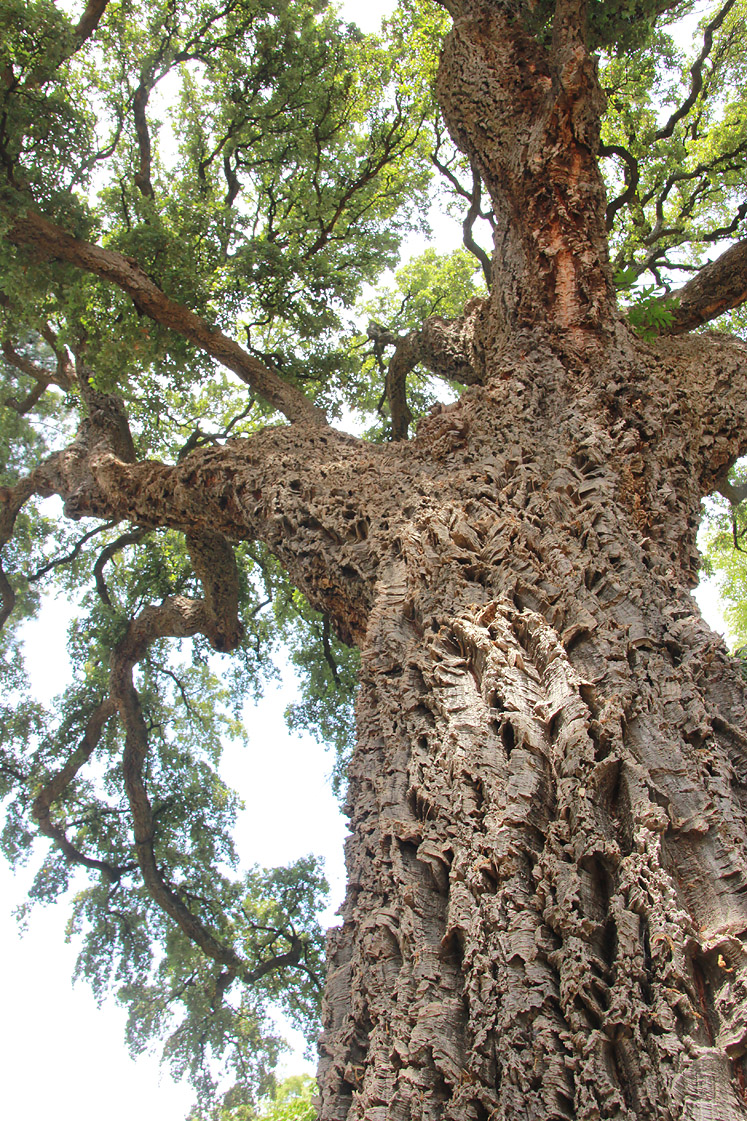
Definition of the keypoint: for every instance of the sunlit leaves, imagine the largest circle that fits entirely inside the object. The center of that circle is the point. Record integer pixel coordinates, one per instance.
(291, 1100)
(675, 130)
(725, 555)
(208, 1026)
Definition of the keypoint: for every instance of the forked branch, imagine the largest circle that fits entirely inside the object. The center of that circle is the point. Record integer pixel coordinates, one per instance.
(448, 348)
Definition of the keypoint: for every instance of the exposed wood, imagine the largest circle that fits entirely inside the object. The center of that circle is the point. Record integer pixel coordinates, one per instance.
(528, 119)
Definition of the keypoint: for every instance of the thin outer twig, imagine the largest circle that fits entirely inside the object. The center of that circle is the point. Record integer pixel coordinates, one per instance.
(74, 552)
(106, 555)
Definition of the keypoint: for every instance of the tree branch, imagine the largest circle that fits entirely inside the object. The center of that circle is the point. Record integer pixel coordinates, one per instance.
(696, 73)
(736, 493)
(12, 499)
(215, 565)
(62, 377)
(446, 347)
(402, 362)
(74, 552)
(49, 242)
(474, 198)
(632, 177)
(142, 175)
(26, 404)
(467, 226)
(723, 232)
(8, 594)
(57, 785)
(89, 21)
(719, 286)
(106, 555)
(176, 617)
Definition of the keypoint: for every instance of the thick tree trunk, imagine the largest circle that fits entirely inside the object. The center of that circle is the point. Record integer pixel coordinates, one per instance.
(547, 908)
(547, 911)
(546, 915)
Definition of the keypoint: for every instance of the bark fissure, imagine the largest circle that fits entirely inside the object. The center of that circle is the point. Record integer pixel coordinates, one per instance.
(544, 797)
(547, 905)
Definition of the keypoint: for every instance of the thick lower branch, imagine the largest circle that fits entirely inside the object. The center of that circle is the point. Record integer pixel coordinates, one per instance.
(215, 565)
(127, 701)
(89, 21)
(142, 175)
(718, 287)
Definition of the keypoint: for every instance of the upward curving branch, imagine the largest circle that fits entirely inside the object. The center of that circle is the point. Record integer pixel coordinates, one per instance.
(696, 73)
(89, 21)
(47, 241)
(448, 348)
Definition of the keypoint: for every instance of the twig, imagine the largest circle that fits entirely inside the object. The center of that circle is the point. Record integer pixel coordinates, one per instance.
(75, 551)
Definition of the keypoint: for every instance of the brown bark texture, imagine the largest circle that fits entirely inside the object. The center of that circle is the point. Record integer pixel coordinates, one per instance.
(546, 911)
(546, 915)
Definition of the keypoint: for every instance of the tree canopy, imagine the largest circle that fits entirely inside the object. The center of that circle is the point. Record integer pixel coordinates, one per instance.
(202, 209)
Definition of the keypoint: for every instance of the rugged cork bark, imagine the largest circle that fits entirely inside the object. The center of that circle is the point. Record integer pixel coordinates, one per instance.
(546, 915)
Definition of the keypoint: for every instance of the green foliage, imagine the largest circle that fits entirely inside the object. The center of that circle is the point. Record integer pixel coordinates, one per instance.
(272, 193)
(676, 132)
(276, 163)
(647, 313)
(291, 1100)
(173, 998)
(623, 24)
(430, 284)
(724, 548)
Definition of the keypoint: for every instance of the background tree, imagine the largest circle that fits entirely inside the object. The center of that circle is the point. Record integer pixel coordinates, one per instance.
(292, 1100)
(545, 914)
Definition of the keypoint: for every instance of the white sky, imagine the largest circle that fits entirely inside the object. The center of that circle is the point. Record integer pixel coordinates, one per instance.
(52, 1035)
(63, 1057)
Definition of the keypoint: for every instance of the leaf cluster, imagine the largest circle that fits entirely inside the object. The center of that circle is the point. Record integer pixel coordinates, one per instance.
(675, 143)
